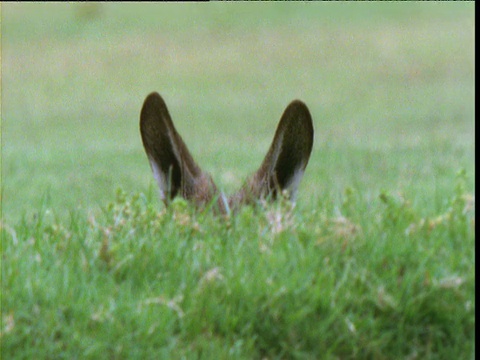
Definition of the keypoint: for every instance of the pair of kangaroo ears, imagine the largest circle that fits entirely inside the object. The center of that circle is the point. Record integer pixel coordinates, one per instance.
(177, 173)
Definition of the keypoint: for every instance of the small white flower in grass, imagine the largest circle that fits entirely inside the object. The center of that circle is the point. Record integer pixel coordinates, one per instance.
(8, 324)
(344, 228)
(102, 314)
(264, 248)
(280, 217)
(450, 282)
(384, 299)
(469, 200)
(468, 306)
(350, 326)
(11, 231)
(211, 275)
(171, 304)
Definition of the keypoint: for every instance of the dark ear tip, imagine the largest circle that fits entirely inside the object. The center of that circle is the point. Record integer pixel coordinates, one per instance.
(299, 110)
(153, 98)
(297, 105)
(298, 102)
(153, 94)
(153, 105)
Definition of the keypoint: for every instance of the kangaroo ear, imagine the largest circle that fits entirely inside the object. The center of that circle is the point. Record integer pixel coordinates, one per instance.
(290, 151)
(173, 167)
(286, 160)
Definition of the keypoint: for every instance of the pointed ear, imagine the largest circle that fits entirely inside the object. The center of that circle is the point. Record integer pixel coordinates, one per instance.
(286, 160)
(173, 167)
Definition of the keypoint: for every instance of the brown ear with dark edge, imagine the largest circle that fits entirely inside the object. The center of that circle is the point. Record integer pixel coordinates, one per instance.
(172, 164)
(286, 160)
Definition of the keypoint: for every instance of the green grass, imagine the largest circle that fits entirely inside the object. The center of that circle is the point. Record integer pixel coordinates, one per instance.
(380, 282)
(375, 262)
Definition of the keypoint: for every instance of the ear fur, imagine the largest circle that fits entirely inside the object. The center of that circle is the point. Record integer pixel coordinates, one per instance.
(177, 173)
(173, 167)
(285, 162)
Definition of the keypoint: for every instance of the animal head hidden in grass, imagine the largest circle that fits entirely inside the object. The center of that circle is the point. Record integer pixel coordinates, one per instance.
(177, 173)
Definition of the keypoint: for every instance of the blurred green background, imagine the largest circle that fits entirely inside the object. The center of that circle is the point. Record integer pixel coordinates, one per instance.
(390, 87)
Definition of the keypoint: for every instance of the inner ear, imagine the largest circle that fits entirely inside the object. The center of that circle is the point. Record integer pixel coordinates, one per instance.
(293, 143)
(169, 181)
(282, 175)
(158, 137)
(172, 164)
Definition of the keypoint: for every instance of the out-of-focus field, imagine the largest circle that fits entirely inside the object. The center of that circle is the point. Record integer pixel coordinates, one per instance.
(376, 261)
(389, 86)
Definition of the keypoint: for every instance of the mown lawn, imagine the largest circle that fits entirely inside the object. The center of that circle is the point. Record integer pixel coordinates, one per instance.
(376, 260)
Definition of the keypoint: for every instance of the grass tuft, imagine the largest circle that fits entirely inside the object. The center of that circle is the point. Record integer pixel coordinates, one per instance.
(271, 281)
